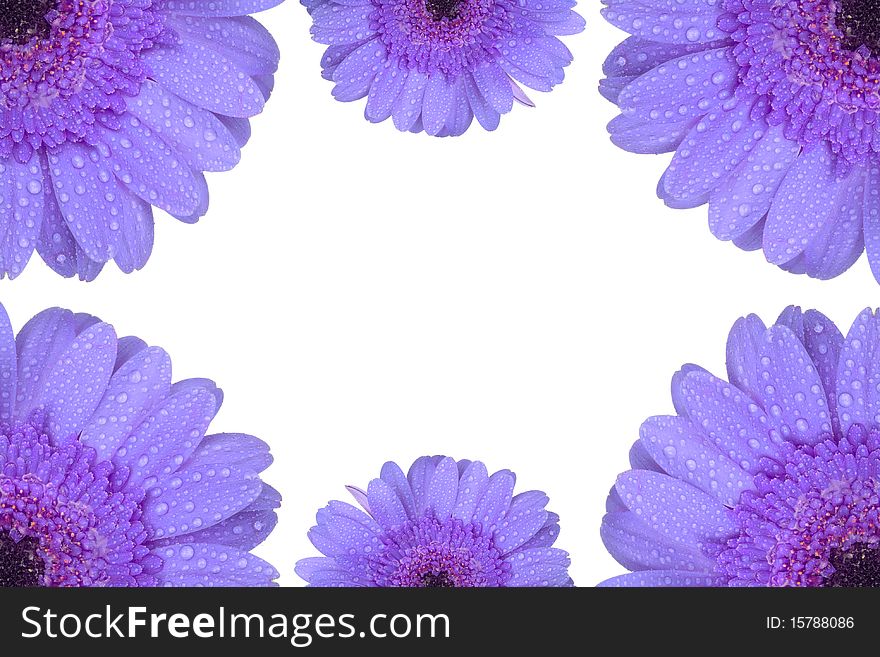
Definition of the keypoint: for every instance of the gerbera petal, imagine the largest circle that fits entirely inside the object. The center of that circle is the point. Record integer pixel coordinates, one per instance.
(219, 7)
(678, 447)
(22, 190)
(635, 56)
(668, 24)
(744, 197)
(88, 198)
(392, 475)
(647, 136)
(496, 500)
(196, 496)
(753, 238)
(664, 578)
(871, 214)
(167, 437)
(406, 109)
(547, 535)
(385, 504)
(793, 391)
(436, 104)
(494, 86)
(684, 88)
(153, 170)
(243, 531)
(323, 571)
(386, 87)
(805, 206)
(471, 488)
(345, 27)
(743, 347)
(460, 115)
(442, 491)
(483, 111)
(241, 38)
(525, 518)
(339, 536)
(712, 150)
(419, 477)
(72, 386)
(39, 344)
(858, 373)
(205, 78)
(678, 7)
(675, 509)
(539, 567)
(135, 241)
(239, 449)
(206, 564)
(356, 73)
(132, 391)
(834, 250)
(8, 369)
(572, 23)
(637, 547)
(730, 418)
(198, 135)
(56, 245)
(823, 341)
(640, 458)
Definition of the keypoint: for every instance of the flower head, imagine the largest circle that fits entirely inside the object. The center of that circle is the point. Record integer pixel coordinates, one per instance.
(106, 475)
(768, 480)
(434, 65)
(773, 111)
(111, 107)
(444, 524)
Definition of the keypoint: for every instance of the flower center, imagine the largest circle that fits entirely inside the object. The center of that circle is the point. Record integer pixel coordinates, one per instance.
(21, 20)
(434, 553)
(440, 9)
(437, 581)
(857, 566)
(20, 565)
(859, 20)
(450, 36)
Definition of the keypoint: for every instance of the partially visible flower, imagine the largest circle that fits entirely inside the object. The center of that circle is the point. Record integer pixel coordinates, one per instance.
(772, 479)
(773, 111)
(444, 524)
(106, 475)
(434, 65)
(111, 107)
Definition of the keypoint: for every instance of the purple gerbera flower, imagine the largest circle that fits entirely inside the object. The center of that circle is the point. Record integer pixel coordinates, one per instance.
(106, 475)
(110, 107)
(772, 479)
(434, 65)
(773, 110)
(444, 524)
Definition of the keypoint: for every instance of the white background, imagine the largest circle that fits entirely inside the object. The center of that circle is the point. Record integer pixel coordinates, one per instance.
(519, 297)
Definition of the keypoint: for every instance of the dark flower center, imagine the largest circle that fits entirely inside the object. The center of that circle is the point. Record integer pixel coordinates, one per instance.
(440, 9)
(856, 567)
(21, 20)
(437, 581)
(20, 565)
(859, 20)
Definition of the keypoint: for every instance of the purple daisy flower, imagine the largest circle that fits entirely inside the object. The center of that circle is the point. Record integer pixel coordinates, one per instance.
(769, 480)
(106, 475)
(444, 524)
(434, 65)
(773, 111)
(111, 107)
